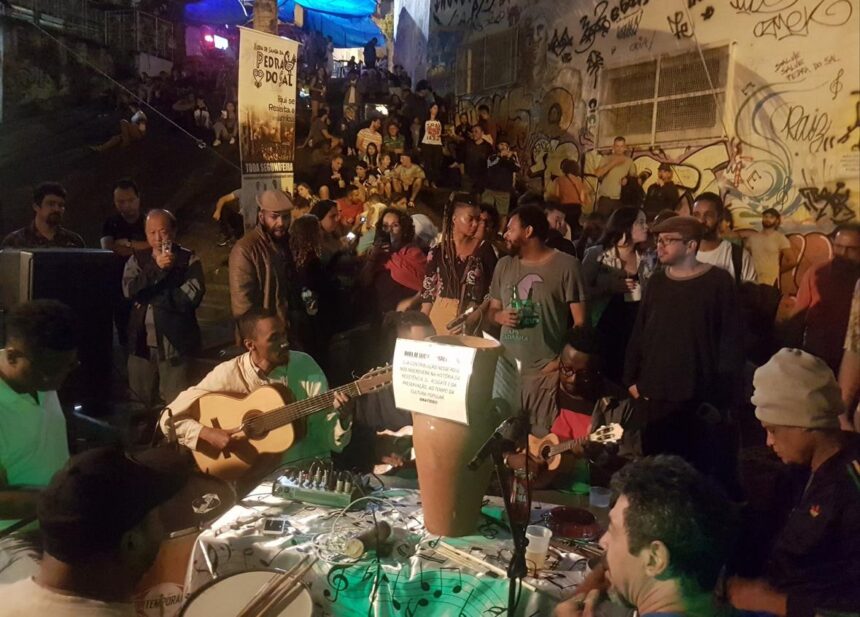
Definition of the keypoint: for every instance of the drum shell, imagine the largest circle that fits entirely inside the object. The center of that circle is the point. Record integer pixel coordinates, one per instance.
(451, 494)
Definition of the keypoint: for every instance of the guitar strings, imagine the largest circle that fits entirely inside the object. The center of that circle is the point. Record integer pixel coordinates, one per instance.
(294, 411)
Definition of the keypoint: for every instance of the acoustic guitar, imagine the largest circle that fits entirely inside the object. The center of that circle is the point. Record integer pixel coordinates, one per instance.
(548, 450)
(262, 423)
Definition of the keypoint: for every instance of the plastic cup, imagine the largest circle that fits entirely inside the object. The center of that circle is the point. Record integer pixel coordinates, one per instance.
(599, 496)
(538, 545)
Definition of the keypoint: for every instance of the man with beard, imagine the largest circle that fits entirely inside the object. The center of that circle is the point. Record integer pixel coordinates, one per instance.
(771, 251)
(46, 230)
(709, 210)
(670, 534)
(101, 528)
(824, 297)
(261, 265)
(268, 360)
(536, 295)
(685, 350)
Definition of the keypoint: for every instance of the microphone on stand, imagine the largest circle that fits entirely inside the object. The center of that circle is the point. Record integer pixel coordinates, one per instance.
(459, 319)
(508, 433)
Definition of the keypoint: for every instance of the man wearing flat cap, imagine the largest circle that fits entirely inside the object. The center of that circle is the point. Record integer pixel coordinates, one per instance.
(261, 264)
(814, 565)
(684, 354)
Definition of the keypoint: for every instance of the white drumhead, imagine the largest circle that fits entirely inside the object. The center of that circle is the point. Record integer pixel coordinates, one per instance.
(226, 597)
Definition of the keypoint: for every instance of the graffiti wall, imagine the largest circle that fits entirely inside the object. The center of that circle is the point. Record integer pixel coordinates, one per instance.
(781, 130)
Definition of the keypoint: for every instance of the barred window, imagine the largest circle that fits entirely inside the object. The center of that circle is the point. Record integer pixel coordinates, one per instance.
(671, 98)
(489, 62)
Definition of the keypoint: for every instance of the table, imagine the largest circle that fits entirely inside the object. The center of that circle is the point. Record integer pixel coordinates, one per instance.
(422, 575)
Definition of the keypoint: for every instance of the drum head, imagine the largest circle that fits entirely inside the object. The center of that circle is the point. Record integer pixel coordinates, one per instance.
(227, 596)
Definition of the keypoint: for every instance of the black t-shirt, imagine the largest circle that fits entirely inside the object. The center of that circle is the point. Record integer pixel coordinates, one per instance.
(816, 557)
(686, 344)
(476, 156)
(119, 229)
(500, 173)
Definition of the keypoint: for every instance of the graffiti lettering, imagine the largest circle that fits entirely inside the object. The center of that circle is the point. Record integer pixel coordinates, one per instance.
(560, 43)
(692, 3)
(604, 17)
(594, 64)
(708, 13)
(591, 29)
(629, 26)
(828, 60)
(643, 42)
(819, 200)
(679, 27)
(747, 88)
(753, 7)
(792, 67)
(804, 127)
(473, 13)
(796, 21)
(855, 126)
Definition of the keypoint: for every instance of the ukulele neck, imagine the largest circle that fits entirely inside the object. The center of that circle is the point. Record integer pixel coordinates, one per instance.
(566, 446)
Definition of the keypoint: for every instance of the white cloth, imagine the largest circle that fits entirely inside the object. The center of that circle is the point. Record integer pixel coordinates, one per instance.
(240, 376)
(27, 599)
(765, 249)
(721, 257)
(33, 442)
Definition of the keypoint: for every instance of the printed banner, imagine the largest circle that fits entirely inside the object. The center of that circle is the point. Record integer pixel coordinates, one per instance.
(267, 115)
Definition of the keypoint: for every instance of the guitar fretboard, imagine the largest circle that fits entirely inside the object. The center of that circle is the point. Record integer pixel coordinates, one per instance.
(282, 416)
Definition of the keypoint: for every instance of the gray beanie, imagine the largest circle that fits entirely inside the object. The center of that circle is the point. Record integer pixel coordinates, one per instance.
(798, 389)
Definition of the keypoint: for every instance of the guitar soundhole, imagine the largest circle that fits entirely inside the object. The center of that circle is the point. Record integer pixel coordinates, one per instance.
(545, 453)
(254, 430)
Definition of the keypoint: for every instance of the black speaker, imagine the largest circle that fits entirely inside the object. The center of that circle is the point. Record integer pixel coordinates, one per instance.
(86, 281)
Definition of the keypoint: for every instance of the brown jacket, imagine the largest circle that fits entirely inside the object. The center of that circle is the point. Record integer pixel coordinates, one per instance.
(261, 273)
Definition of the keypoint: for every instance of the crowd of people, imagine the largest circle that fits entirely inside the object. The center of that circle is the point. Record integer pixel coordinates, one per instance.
(629, 312)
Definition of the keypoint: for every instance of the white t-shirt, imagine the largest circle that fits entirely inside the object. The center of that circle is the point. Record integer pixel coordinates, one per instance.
(33, 442)
(721, 257)
(765, 249)
(27, 599)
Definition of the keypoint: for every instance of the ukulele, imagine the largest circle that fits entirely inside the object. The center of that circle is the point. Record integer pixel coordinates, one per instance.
(548, 450)
(263, 421)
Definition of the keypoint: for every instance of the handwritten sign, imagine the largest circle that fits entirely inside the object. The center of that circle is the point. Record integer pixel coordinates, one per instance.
(432, 378)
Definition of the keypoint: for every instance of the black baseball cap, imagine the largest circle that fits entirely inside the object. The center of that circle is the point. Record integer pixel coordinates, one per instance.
(101, 494)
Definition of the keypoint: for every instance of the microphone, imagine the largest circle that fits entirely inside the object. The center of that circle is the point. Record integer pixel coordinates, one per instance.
(369, 540)
(459, 318)
(506, 436)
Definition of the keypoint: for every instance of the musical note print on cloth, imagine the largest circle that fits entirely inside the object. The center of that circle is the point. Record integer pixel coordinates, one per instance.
(336, 581)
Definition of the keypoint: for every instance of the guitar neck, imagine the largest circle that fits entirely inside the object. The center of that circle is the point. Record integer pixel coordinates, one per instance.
(567, 445)
(282, 416)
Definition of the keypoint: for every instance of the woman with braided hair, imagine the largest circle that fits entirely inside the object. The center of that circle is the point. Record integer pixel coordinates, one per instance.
(459, 269)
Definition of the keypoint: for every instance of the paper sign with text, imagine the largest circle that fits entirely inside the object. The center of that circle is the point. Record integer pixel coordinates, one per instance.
(432, 378)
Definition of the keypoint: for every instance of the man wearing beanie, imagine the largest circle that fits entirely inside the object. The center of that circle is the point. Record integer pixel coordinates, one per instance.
(684, 353)
(814, 565)
(101, 529)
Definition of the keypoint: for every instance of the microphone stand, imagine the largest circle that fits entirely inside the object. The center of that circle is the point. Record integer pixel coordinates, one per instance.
(517, 569)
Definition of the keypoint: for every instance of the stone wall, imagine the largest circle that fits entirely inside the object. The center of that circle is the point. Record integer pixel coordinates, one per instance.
(778, 125)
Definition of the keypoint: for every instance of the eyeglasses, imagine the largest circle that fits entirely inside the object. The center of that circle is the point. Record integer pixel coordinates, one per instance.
(583, 373)
(661, 241)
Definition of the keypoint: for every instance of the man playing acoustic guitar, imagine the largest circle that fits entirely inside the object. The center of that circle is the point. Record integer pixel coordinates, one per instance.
(267, 361)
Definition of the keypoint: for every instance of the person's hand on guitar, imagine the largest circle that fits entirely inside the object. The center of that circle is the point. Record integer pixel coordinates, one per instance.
(216, 437)
(343, 407)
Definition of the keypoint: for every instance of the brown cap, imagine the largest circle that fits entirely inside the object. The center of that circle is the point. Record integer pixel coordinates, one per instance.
(274, 201)
(688, 226)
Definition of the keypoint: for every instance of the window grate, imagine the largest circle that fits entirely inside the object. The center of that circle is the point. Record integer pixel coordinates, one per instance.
(489, 62)
(667, 99)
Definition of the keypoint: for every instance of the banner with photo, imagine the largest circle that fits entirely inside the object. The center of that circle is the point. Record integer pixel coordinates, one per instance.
(267, 115)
